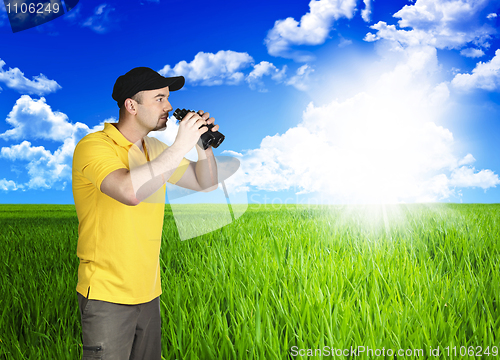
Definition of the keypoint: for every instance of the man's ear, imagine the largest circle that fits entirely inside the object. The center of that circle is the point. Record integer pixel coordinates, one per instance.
(131, 106)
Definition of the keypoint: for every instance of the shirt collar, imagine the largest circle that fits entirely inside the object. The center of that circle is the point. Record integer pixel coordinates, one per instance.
(116, 135)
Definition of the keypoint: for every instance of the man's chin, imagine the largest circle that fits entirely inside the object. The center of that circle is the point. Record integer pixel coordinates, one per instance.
(160, 127)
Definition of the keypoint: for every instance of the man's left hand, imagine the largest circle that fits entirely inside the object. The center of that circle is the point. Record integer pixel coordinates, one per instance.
(208, 120)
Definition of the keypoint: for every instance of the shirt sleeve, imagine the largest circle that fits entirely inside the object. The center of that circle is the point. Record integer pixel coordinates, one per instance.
(95, 159)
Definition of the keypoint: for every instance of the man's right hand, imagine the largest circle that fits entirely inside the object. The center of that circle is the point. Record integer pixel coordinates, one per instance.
(190, 129)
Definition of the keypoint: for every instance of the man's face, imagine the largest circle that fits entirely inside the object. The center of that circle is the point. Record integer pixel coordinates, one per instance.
(152, 111)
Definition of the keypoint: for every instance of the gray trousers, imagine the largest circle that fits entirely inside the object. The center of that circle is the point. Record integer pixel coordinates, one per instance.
(120, 332)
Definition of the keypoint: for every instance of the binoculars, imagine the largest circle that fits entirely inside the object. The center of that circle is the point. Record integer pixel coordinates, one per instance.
(209, 138)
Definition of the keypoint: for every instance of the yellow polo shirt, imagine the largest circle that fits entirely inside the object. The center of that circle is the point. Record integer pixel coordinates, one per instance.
(118, 245)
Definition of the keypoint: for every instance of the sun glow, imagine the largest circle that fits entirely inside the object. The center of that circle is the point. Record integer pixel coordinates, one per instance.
(383, 145)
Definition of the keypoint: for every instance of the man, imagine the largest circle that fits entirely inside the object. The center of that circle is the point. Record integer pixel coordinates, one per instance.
(118, 176)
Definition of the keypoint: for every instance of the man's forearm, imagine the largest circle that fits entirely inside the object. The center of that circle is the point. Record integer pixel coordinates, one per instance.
(206, 170)
(150, 177)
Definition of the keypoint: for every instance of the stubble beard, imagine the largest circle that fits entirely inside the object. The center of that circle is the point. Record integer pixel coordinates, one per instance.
(159, 126)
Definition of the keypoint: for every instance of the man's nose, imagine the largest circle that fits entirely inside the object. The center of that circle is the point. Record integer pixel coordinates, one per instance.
(168, 107)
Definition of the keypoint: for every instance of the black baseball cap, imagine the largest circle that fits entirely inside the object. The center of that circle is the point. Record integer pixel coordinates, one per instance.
(140, 79)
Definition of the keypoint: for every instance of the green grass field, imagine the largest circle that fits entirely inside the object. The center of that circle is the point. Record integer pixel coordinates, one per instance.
(277, 281)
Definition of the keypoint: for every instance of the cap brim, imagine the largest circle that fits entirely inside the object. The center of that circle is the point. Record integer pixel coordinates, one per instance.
(175, 83)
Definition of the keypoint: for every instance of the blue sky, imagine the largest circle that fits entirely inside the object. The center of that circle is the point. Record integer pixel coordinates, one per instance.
(337, 101)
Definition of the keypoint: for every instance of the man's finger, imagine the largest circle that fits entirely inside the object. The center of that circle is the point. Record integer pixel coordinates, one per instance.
(203, 130)
(188, 116)
(194, 118)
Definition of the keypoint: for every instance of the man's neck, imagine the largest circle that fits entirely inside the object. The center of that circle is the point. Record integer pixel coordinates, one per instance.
(130, 131)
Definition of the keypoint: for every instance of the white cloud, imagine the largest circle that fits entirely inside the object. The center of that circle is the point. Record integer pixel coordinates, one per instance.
(15, 79)
(24, 151)
(313, 28)
(100, 10)
(264, 68)
(383, 144)
(100, 126)
(45, 169)
(224, 67)
(492, 16)
(74, 14)
(232, 153)
(486, 76)
(8, 185)
(344, 42)
(3, 16)
(301, 78)
(369, 37)
(367, 11)
(101, 21)
(228, 67)
(34, 119)
(468, 177)
(442, 24)
(472, 53)
(439, 94)
(468, 159)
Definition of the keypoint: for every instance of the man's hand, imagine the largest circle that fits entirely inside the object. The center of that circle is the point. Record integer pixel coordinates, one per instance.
(208, 119)
(205, 170)
(190, 130)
